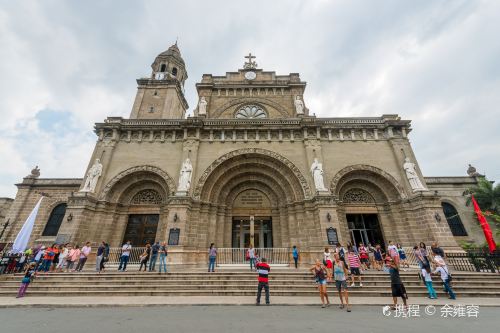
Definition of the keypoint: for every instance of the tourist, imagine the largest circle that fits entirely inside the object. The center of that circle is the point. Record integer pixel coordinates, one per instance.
(437, 251)
(105, 257)
(418, 256)
(424, 255)
(354, 265)
(63, 255)
(327, 261)
(445, 276)
(371, 255)
(295, 255)
(212, 257)
(28, 275)
(55, 261)
(48, 257)
(341, 251)
(378, 257)
(251, 256)
(124, 257)
(363, 256)
(402, 256)
(163, 257)
(39, 257)
(263, 269)
(393, 252)
(73, 256)
(154, 255)
(144, 257)
(99, 256)
(340, 273)
(397, 286)
(427, 277)
(320, 274)
(84, 254)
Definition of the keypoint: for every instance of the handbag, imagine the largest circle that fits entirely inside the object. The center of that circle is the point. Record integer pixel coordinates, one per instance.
(26, 280)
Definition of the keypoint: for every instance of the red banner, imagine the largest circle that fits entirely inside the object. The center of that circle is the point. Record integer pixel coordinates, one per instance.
(486, 227)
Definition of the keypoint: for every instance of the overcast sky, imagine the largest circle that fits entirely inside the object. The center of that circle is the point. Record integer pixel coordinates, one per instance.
(65, 65)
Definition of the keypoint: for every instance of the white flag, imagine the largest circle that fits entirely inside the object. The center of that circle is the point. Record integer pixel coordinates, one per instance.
(23, 237)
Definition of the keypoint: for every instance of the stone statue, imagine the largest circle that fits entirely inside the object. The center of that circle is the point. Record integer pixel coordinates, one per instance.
(202, 106)
(185, 176)
(92, 176)
(412, 175)
(317, 173)
(299, 105)
(35, 173)
(472, 172)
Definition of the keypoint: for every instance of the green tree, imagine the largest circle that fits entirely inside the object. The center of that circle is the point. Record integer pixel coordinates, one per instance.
(488, 198)
(487, 195)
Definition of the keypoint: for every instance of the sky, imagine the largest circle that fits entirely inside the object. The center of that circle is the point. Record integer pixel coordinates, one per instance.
(65, 65)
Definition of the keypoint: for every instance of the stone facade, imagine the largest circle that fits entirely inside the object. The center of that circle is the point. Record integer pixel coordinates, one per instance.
(247, 136)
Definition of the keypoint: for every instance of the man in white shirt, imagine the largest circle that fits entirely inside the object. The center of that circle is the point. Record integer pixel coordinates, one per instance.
(445, 277)
(84, 253)
(125, 256)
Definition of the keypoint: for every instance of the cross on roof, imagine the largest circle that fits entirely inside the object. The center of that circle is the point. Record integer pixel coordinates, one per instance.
(250, 63)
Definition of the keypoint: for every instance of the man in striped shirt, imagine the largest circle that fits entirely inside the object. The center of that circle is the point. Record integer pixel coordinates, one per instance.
(263, 270)
(354, 265)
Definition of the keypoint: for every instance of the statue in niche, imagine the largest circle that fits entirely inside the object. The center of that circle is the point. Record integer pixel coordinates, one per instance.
(412, 175)
(299, 105)
(317, 173)
(202, 106)
(92, 176)
(185, 176)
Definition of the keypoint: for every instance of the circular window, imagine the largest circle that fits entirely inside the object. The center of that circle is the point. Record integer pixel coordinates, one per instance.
(251, 112)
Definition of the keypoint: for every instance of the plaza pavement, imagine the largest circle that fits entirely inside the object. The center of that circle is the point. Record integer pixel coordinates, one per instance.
(141, 301)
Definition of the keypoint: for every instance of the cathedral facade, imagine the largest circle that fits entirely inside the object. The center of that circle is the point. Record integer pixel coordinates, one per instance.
(253, 165)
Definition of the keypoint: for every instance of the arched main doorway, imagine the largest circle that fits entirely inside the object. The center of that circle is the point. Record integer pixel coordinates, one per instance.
(252, 196)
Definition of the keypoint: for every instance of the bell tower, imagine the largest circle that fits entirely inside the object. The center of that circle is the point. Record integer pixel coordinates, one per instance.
(161, 96)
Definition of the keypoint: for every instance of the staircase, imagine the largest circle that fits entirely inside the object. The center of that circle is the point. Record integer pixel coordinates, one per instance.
(283, 282)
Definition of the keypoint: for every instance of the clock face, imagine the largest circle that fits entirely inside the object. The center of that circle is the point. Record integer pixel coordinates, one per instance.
(250, 75)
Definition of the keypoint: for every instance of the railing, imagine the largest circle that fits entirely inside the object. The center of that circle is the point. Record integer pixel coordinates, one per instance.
(237, 256)
(116, 252)
(475, 261)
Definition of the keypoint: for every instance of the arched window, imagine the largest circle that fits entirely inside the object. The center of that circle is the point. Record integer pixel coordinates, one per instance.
(55, 220)
(454, 221)
(163, 68)
(174, 71)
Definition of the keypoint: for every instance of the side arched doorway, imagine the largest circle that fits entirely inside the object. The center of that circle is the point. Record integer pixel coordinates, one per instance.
(136, 201)
(370, 208)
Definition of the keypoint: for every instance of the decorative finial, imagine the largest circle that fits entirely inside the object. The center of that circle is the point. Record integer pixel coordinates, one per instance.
(250, 64)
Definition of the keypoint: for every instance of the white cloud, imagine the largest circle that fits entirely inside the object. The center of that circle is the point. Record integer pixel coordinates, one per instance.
(435, 62)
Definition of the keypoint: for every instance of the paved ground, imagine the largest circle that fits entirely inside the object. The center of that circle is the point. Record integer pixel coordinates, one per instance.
(29, 301)
(233, 319)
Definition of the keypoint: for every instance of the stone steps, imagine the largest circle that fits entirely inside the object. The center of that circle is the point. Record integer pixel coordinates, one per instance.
(233, 283)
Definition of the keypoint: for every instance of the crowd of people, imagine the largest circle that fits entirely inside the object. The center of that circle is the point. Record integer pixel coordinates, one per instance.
(339, 265)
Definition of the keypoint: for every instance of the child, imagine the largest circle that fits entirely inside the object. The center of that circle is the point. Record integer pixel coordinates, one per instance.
(426, 275)
(28, 274)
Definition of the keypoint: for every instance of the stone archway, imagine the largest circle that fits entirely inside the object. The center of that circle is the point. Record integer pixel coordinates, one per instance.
(370, 205)
(134, 206)
(257, 170)
(246, 100)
